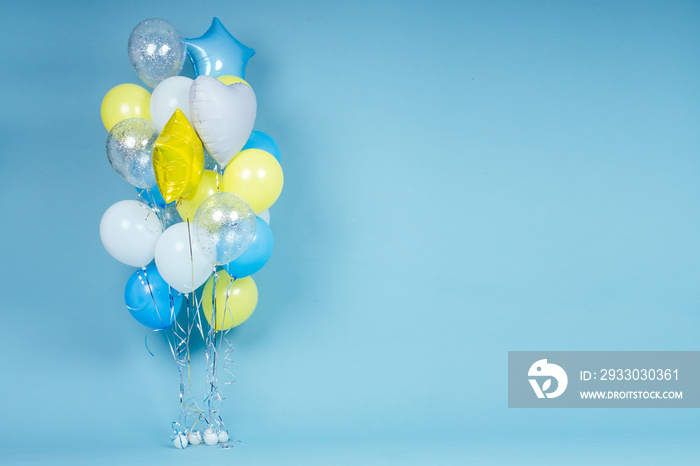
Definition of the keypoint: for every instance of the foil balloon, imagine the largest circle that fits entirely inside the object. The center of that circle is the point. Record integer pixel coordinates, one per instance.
(168, 96)
(218, 53)
(222, 115)
(156, 50)
(260, 140)
(129, 231)
(211, 181)
(256, 255)
(256, 176)
(129, 147)
(180, 261)
(150, 299)
(178, 159)
(125, 101)
(233, 302)
(224, 226)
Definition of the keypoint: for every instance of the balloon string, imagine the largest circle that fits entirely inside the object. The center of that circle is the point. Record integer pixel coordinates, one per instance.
(147, 348)
(154, 205)
(211, 354)
(214, 397)
(179, 345)
(147, 284)
(189, 236)
(150, 199)
(219, 350)
(226, 355)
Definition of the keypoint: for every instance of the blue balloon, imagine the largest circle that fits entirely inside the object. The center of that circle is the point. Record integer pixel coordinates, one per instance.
(218, 53)
(260, 140)
(151, 300)
(152, 195)
(257, 254)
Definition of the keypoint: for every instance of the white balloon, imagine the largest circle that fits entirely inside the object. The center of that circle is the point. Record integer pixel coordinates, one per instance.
(129, 231)
(222, 115)
(168, 96)
(194, 437)
(179, 260)
(210, 437)
(265, 216)
(180, 441)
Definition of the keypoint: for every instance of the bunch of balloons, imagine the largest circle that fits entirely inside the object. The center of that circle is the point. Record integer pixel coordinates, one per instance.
(205, 182)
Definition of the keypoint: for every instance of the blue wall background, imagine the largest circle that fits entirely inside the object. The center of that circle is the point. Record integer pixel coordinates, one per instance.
(461, 179)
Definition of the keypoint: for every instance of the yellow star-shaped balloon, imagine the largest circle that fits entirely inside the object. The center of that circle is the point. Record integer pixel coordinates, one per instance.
(178, 159)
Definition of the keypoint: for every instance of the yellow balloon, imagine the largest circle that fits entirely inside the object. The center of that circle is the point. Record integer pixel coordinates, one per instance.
(256, 175)
(235, 300)
(228, 80)
(178, 159)
(210, 184)
(125, 101)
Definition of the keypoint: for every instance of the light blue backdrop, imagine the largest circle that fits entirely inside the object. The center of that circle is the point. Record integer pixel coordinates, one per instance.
(461, 179)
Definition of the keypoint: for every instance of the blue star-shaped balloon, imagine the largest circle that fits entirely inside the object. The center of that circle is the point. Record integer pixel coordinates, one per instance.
(218, 53)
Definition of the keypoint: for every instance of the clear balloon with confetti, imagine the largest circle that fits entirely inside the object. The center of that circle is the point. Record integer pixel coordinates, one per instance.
(224, 227)
(129, 148)
(157, 50)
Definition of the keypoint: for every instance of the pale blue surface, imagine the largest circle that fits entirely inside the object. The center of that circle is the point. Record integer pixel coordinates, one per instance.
(461, 179)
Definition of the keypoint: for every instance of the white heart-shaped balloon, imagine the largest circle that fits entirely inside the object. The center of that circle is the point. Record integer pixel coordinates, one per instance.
(222, 115)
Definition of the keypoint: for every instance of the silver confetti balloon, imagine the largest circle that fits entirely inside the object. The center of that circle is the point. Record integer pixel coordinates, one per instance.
(224, 227)
(156, 50)
(129, 149)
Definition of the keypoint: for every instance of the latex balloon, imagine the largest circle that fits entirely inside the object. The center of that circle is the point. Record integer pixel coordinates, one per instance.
(194, 437)
(179, 260)
(156, 50)
(152, 196)
(168, 96)
(218, 53)
(260, 140)
(129, 231)
(228, 80)
(178, 159)
(222, 115)
(209, 185)
(129, 147)
(224, 226)
(235, 300)
(125, 101)
(255, 175)
(210, 437)
(256, 255)
(265, 216)
(180, 441)
(151, 300)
